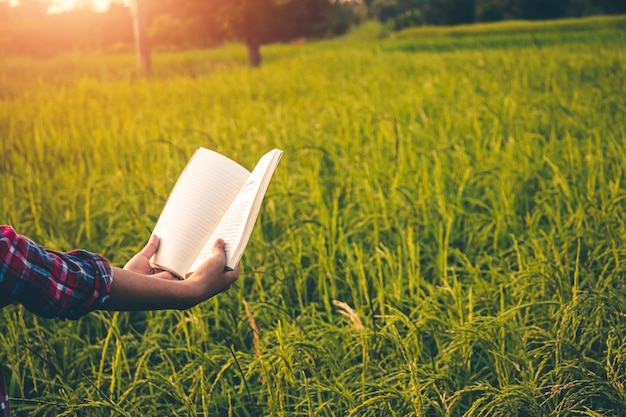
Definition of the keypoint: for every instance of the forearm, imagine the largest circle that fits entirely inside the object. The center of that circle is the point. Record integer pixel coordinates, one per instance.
(131, 291)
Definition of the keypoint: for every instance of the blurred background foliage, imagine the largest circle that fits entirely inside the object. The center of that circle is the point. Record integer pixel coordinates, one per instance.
(27, 27)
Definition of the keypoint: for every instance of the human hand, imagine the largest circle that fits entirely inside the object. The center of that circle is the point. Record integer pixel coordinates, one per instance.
(135, 288)
(212, 277)
(140, 263)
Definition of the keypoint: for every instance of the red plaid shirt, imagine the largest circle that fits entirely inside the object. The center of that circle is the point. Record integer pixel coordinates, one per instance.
(49, 284)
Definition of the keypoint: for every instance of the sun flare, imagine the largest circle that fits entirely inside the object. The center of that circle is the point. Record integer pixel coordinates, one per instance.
(59, 6)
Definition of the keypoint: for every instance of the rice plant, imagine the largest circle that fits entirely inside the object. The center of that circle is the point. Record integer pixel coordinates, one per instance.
(443, 237)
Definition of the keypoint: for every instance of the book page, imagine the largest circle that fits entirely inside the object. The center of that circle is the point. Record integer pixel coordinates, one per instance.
(202, 194)
(236, 226)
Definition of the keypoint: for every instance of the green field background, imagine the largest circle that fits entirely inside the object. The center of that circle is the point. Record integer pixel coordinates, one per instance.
(445, 234)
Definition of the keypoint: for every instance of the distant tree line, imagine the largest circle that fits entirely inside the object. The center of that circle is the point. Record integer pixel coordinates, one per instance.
(28, 28)
(454, 12)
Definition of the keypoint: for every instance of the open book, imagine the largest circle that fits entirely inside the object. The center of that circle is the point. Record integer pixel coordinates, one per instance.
(214, 197)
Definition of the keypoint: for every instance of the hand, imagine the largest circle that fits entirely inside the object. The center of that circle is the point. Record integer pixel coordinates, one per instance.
(135, 288)
(212, 277)
(140, 263)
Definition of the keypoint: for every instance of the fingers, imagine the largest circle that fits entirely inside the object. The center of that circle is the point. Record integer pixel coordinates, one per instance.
(164, 275)
(235, 272)
(212, 274)
(231, 275)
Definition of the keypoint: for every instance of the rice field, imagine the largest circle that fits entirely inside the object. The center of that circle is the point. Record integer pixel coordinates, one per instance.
(445, 234)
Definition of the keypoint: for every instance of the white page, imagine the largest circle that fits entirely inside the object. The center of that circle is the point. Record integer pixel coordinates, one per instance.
(203, 192)
(236, 226)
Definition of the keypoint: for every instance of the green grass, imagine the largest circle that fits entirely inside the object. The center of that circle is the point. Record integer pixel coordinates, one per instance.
(445, 235)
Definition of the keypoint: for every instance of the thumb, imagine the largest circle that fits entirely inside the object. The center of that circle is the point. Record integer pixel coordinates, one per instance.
(219, 253)
(151, 247)
(219, 249)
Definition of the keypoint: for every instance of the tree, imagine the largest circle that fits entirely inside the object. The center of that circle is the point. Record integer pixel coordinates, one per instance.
(202, 23)
(448, 12)
(244, 20)
(248, 21)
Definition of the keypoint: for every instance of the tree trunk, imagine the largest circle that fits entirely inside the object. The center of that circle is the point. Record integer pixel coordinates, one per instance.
(254, 52)
(140, 25)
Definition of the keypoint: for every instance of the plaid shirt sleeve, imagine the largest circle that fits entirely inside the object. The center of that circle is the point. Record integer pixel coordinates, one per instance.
(51, 284)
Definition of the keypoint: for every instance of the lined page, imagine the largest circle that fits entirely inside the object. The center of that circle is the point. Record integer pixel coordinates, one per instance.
(236, 226)
(202, 194)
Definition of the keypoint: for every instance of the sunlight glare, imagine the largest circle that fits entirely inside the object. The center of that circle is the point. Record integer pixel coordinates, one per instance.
(59, 6)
